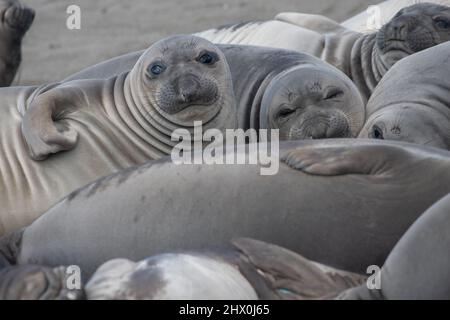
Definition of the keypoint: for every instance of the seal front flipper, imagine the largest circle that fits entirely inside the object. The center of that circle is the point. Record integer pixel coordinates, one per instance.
(339, 159)
(34, 282)
(40, 132)
(10, 248)
(289, 275)
(313, 22)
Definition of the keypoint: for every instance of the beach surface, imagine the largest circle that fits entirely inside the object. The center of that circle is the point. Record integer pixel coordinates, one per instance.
(113, 27)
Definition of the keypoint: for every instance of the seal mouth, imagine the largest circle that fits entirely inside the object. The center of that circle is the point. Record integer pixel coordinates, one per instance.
(395, 45)
(321, 127)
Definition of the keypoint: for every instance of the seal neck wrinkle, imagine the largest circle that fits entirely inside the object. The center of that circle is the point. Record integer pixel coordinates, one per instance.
(366, 67)
(135, 122)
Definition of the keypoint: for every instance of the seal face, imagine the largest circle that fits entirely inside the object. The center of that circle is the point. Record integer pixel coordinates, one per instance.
(15, 20)
(409, 123)
(311, 102)
(413, 29)
(183, 79)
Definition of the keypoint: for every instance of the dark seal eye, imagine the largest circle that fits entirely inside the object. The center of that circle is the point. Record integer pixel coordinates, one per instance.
(377, 133)
(285, 112)
(334, 94)
(442, 23)
(207, 58)
(156, 68)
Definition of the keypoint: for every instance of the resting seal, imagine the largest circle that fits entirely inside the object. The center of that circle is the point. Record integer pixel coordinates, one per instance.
(417, 110)
(417, 268)
(15, 22)
(365, 58)
(371, 20)
(375, 193)
(299, 94)
(122, 121)
(249, 270)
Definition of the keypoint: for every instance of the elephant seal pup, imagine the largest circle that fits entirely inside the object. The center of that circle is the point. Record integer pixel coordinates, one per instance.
(123, 121)
(250, 270)
(365, 58)
(418, 267)
(299, 94)
(32, 282)
(417, 110)
(15, 22)
(372, 19)
(348, 220)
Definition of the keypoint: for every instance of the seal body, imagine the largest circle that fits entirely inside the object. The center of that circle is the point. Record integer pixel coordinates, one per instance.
(277, 89)
(105, 125)
(343, 203)
(15, 22)
(418, 110)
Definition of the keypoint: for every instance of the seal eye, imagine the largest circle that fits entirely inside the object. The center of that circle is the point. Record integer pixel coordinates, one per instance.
(285, 112)
(156, 68)
(442, 23)
(377, 133)
(207, 58)
(334, 94)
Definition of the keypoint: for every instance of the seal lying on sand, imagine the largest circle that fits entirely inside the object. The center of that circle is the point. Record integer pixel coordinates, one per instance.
(417, 268)
(299, 94)
(343, 203)
(365, 58)
(416, 110)
(16, 19)
(121, 122)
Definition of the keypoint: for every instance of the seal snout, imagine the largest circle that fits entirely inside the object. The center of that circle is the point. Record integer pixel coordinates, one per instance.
(187, 88)
(320, 124)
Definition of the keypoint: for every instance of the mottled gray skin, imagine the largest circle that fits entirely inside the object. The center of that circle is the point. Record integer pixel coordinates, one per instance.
(416, 110)
(344, 203)
(365, 58)
(106, 125)
(16, 19)
(277, 89)
(251, 269)
(419, 265)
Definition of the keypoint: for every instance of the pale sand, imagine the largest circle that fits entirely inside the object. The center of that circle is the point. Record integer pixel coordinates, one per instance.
(113, 27)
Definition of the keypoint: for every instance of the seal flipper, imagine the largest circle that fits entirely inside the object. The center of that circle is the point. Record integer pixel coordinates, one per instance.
(291, 276)
(333, 160)
(312, 22)
(33, 282)
(40, 133)
(9, 248)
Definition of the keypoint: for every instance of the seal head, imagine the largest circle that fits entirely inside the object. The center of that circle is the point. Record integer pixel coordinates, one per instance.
(183, 79)
(312, 102)
(413, 29)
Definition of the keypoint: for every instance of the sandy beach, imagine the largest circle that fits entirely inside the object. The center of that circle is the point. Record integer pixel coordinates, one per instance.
(112, 27)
